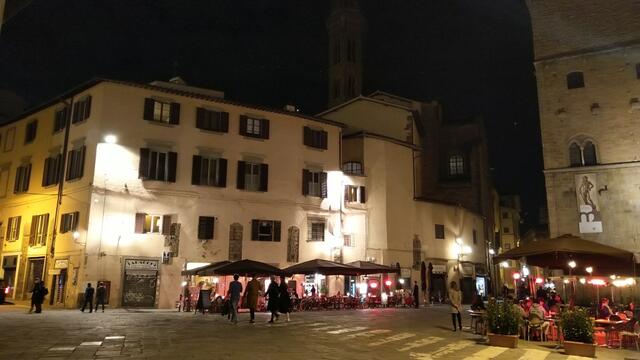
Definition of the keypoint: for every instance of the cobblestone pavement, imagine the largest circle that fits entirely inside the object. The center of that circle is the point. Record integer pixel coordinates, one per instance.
(343, 334)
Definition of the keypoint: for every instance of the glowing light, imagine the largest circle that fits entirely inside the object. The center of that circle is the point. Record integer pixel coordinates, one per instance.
(630, 281)
(195, 265)
(373, 285)
(388, 282)
(184, 283)
(597, 282)
(539, 281)
(459, 240)
(215, 280)
(619, 283)
(583, 281)
(566, 281)
(613, 277)
(516, 276)
(492, 252)
(589, 269)
(110, 139)
(504, 264)
(362, 287)
(401, 281)
(467, 249)
(572, 264)
(76, 235)
(525, 271)
(6, 290)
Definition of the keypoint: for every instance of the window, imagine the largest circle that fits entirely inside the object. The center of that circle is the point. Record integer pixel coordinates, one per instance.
(13, 228)
(75, 163)
(638, 71)
(209, 171)
(353, 194)
(439, 231)
(252, 127)
(316, 230)
(589, 154)
(30, 132)
(158, 165)
(575, 155)
(212, 120)
(60, 119)
(349, 241)
(582, 156)
(23, 173)
(81, 110)
(4, 179)
(475, 237)
(314, 183)
(315, 138)
(9, 139)
(205, 227)
(39, 228)
(69, 222)
(265, 230)
(52, 170)
(575, 80)
(506, 230)
(352, 168)
(161, 111)
(252, 176)
(152, 224)
(456, 165)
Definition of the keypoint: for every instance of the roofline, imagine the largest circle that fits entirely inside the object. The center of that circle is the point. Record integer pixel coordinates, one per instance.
(381, 92)
(587, 51)
(360, 97)
(195, 95)
(381, 137)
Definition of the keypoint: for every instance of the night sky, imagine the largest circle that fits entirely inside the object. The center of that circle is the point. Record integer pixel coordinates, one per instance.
(475, 57)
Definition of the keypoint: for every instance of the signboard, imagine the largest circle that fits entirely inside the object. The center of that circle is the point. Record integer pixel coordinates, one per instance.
(590, 220)
(61, 264)
(54, 271)
(140, 264)
(439, 269)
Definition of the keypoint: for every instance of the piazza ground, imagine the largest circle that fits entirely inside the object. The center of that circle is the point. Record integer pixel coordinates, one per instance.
(343, 334)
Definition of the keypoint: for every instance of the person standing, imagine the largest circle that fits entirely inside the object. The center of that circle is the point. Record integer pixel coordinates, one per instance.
(251, 294)
(38, 292)
(313, 291)
(272, 302)
(455, 299)
(101, 295)
(284, 301)
(416, 295)
(88, 298)
(235, 290)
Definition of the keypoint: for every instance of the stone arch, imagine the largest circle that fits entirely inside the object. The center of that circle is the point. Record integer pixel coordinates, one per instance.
(293, 244)
(235, 242)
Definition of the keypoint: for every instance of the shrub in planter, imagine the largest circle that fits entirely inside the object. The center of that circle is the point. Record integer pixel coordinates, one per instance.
(504, 323)
(577, 329)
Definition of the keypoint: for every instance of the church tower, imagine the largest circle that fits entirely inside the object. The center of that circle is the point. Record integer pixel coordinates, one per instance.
(346, 27)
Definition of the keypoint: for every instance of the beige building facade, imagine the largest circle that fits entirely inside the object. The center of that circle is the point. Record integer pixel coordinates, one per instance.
(588, 75)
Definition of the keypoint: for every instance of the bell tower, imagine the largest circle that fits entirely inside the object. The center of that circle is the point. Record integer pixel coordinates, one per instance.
(346, 29)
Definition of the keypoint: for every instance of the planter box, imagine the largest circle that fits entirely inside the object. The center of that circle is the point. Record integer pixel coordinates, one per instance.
(508, 341)
(579, 349)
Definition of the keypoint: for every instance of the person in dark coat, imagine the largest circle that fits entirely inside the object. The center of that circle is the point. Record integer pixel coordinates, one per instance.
(416, 295)
(285, 301)
(273, 295)
(37, 295)
(101, 295)
(88, 298)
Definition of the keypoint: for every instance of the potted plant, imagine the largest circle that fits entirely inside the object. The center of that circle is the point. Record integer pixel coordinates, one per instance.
(504, 323)
(577, 329)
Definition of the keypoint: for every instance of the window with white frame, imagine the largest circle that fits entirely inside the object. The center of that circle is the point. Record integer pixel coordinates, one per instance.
(352, 168)
(152, 224)
(253, 126)
(13, 228)
(316, 229)
(252, 176)
(456, 165)
(39, 227)
(69, 222)
(349, 240)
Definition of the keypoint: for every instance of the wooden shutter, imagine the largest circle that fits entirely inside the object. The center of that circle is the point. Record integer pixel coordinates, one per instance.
(240, 175)
(81, 161)
(58, 169)
(87, 108)
(224, 122)
(264, 128)
(143, 168)
(16, 184)
(254, 229)
(243, 125)
(324, 140)
(222, 176)
(307, 136)
(45, 173)
(32, 232)
(139, 229)
(196, 168)
(276, 231)
(148, 108)
(75, 117)
(173, 166)
(174, 116)
(200, 112)
(323, 185)
(306, 176)
(27, 178)
(264, 177)
(166, 224)
(362, 195)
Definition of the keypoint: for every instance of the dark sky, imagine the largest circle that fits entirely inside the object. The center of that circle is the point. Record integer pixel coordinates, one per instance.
(473, 56)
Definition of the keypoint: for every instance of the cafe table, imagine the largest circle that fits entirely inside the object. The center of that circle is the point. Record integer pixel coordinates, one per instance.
(607, 324)
(476, 318)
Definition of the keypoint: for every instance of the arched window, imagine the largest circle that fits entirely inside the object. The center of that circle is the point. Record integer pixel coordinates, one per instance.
(575, 155)
(575, 80)
(589, 154)
(352, 167)
(456, 165)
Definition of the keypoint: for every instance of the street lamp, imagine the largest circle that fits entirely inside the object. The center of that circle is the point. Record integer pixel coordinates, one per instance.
(492, 252)
(572, 264)
(110, 139)
(589, 269)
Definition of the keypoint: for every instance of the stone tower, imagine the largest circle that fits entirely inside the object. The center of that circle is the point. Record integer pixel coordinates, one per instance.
(346, 28)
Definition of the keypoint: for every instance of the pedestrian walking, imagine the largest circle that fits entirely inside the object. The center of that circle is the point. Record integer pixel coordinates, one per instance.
(416, 295)
(88, 298)
(455, 299)
(251, 295)
(235, 290)
(284, 301)
(101, 295)
(272, 302)
(38, 292)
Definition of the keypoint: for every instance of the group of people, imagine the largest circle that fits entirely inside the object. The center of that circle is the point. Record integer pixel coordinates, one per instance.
(605, 310)
(277, 298)
(100, 295)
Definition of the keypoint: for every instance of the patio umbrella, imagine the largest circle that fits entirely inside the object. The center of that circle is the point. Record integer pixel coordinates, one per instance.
(247, 267)
(367, 267)
(557, 252)
(199, 270)
(324, 267)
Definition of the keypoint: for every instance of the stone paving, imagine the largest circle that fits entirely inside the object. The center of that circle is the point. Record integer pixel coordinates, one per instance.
(344, 334)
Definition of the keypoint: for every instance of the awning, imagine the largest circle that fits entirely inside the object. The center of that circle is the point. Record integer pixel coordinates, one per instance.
(202, 269)
(324, 267)
(367, 267)
(247, 267)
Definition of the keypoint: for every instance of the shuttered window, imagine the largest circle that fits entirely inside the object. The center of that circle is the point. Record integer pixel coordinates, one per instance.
(157, 165)
(315, 230)
(354, 194)
(205, 227)
(69, 222)
(52, 172)
(352, 168)
(252, 176)
(161, 111)
(315, 138)
(152, 224)
(81, 110)
(439, 231)
(23, 174)
(212, 120)
(254, 127)
(13, 228)
(209, 171)
(75, 163)
(314, 183)
(39, 228)
(30, 131)
(265, 230)
(60, 119)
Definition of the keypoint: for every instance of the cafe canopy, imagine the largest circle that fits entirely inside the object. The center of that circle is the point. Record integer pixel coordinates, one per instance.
(559, 252)
(367, 267)
(324, 267)
(205, 270)
(247, 267)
